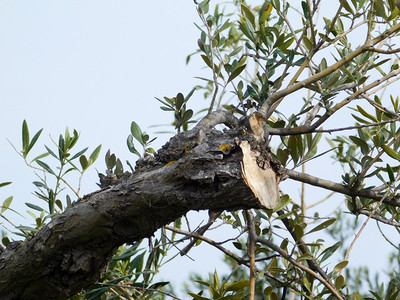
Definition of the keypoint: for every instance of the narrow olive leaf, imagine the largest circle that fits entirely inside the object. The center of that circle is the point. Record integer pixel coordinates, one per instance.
(33, 206)
(6, 204)
(307, 43)
(39, 157)
(136, 132)
(346, 6)
(131, 146)
(34, 139)
(224, 26)
(51, 152)
(45, 166)
(328, 252)
(340, 266)
(285, 200)
(361, 143)
(84, 162)
(94, 155)
(236, 51)
(197, 297)
(323, 225)
(365, 114)
(4, 183)
(79, 154)
(25, 138)
(238, 285)
(305, 9)
(249, 15)
(179, 101)
(390, 173)
(236, 72)
(389, 151)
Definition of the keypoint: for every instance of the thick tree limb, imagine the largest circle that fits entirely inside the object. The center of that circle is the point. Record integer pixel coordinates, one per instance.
(191, 172)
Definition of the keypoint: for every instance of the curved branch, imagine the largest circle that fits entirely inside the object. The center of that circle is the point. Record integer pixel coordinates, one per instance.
(273, 101)
(343, 189)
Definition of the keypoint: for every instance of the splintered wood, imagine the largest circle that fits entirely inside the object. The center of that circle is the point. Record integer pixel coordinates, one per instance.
(261, 180)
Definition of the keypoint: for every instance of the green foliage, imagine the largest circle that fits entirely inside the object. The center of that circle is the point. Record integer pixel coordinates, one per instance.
(299, 70)
(53, 177)
(141, 137)
(177, 105)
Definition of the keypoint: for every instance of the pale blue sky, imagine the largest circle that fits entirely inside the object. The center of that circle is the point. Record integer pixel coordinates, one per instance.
(95, 66)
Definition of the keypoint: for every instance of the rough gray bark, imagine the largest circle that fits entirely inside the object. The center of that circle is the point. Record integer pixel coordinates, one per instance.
(74, 249)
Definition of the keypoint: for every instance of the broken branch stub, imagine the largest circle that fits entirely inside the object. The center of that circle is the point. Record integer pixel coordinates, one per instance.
(259, 171)
(259, 176)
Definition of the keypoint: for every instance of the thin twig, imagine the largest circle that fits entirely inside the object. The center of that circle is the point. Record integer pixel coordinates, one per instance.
(252, 254)
(286, 256)
(366, 222)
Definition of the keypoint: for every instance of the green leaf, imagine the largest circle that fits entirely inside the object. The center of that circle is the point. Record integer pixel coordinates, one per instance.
(34, 139)
(39, 157)
(339, 281)
(84, 162)
(238, 285)
(197, 297)
(187, 115)
(361, 143)
(390, 173)
(95, 154)
(45, 166)
(6, 204)
(4, 184)
(5, 240)
(323, 225)
(305, 9)
(25, 138)
(329, 251)
(389, 151)
(340, 266)
(131, 146)
(236, 72)
(136, 132)
(365, 114)
(249, 15)
(51, 152)
(346, 6)
(35, 207)
(285, 200)
(78, 154)
(179, 101)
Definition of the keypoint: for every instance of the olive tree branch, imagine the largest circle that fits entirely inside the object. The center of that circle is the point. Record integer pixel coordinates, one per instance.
(286, 256)
(252, 254)
(273, 101)
(366, 221)
(311, 128)
(343, 189)
(378, 218)
(238, 259)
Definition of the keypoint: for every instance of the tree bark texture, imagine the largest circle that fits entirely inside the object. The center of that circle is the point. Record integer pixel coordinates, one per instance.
(195, 170)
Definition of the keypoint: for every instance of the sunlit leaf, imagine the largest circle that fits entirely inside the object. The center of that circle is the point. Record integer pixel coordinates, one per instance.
(6, 204)
(323, 225)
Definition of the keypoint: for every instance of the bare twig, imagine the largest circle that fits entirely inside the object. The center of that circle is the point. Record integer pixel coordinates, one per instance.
(252, 254)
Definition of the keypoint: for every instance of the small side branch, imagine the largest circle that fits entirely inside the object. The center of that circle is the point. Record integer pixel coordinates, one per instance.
(252, 254)
(340, 188)
(286, 256)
